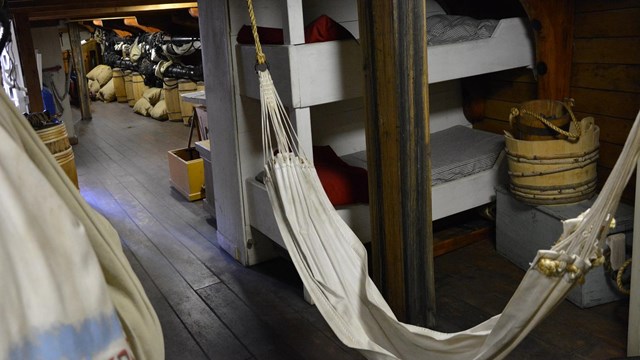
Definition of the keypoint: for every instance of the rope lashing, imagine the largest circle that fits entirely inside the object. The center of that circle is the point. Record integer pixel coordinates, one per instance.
(260, 57)
(517, 112)
(619, 276)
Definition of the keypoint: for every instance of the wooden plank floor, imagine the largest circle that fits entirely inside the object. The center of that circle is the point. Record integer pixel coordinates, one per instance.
(210, 307)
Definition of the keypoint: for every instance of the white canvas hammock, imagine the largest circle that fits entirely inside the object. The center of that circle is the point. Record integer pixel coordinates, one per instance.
(333, 263)
(47, 225)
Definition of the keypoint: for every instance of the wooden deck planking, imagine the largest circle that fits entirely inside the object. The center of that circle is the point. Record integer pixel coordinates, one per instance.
(178, 340)
(196, 274)
(138, 188)
(244, 322)
(156, 178)
(205, 328)
(257, 312)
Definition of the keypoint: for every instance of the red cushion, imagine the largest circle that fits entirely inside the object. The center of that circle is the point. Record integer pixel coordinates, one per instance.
(325, 28)
(343, 183)
(321, 29)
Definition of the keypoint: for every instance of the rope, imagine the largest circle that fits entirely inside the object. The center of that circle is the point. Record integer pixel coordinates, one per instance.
(517, 112)
(260, 57)
(621, 287)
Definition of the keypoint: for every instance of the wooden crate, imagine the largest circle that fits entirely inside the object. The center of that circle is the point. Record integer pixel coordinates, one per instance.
(186, 171)
(204, 148)
(522, 230)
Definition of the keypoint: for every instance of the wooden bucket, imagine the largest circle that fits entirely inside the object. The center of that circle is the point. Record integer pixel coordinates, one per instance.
(172, 99)
(118, 85)
(542, 120)
(552, 172)
(186, 108)
(57, 141)
(128, 85)
(137, 84)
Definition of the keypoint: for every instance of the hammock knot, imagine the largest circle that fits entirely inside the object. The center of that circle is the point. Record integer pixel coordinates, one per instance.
(599, 260)
(551, 267)
(575, 273)
(557, 268)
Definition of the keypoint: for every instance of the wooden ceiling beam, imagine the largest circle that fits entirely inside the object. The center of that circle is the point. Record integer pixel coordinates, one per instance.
(93, 10)
(45, 5)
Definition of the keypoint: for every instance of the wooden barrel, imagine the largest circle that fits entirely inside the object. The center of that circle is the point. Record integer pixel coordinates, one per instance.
(186, 108)
(137, 84)
(118, 85)
(172, 99)
(128, 85)
(540, 120)
(57, 141)
(552, 172)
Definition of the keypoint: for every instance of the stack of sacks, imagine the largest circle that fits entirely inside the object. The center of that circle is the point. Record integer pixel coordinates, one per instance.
(99, 77)
(107, 93)
(152, 104)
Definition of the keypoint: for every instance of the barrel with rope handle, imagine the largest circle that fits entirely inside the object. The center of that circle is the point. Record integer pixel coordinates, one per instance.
(544, 120)
(552, 172)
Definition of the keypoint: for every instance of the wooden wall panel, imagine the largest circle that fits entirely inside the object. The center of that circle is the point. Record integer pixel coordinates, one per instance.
(599, 5)
(605, 102)
(606, 77)
(499, 92)
(606, 74)
(607, 51)
(605, 24)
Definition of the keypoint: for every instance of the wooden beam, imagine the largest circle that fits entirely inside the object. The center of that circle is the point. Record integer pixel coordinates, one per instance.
(83, 89)
(231, 222)
(393, 38)
(552, 22)
(35, 5)
(28, 62)
(79, 11)
(633, 335)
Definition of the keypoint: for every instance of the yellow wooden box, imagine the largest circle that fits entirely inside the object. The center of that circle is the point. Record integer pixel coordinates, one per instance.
(186, 171)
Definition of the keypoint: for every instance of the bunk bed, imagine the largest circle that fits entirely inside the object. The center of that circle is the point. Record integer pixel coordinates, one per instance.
(307, 75)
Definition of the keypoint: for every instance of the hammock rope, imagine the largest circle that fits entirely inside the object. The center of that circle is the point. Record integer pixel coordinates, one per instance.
(332, 262)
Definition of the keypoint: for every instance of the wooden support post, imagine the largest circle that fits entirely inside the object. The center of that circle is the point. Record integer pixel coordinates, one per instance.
(293, 22)
(301, 120)
(83, 89)
(28, 62)
(552, 22)
(633, 334)
(394, 45)
(232, 226)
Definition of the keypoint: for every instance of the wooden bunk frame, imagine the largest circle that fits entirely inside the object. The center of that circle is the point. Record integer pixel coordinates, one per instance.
(313, 74)
(319, 73)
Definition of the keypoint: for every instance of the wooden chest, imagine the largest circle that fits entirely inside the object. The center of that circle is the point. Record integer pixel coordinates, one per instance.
(521, 230)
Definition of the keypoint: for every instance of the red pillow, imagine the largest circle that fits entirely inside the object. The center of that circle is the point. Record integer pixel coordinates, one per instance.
(325, 28)
(343, 183)
(321, 29)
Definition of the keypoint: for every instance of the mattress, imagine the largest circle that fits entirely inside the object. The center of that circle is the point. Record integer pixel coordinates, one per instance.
(449, 29)
(456, 152)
